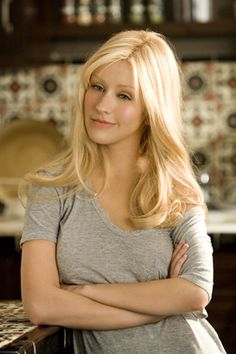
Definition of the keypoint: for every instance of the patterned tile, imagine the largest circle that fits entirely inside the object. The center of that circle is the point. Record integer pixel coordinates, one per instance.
(229, 192)
(73, 79)
(198, 80)
(17, 87)
(49, 93)
(51, 84)
(222, 169)
(200, 122)
(224, 158)
(227, 118)
(14, 322)
(15, 111)
(225, 81)
(57, 113)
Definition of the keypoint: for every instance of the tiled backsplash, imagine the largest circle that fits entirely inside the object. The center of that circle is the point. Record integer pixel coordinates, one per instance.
(47, 93)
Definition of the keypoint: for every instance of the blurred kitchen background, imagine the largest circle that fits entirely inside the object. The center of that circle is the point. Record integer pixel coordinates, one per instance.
(43, 44)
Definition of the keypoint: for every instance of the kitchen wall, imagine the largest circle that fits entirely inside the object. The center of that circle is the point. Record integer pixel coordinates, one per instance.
(47, 93)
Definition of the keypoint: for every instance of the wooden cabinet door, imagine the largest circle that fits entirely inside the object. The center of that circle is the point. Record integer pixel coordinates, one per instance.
(11, 32)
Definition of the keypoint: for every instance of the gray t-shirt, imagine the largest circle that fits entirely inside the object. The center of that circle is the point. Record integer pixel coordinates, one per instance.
(90, 249)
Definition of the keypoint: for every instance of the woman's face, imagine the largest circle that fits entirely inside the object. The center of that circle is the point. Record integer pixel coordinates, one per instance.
(113, 109)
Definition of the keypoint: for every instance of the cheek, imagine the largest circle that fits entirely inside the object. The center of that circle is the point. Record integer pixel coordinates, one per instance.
(88, 101)
(132, 115)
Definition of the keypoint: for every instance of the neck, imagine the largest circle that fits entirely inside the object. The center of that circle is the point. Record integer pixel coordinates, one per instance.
(122, 168)
(122, 162)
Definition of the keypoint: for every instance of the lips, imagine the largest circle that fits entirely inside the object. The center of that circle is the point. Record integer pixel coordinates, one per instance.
(102, 122)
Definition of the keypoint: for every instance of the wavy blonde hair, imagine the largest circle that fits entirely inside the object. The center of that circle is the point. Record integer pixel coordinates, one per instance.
(167, 185)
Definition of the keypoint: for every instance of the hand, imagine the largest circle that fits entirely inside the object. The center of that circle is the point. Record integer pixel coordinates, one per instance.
(179, 256)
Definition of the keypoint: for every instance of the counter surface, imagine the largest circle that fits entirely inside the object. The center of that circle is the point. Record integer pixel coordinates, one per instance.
(18, 335)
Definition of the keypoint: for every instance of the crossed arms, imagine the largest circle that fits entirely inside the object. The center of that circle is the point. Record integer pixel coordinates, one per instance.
(102, 306)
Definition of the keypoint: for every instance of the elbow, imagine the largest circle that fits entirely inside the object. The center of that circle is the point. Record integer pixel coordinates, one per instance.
(37, 312)
(200, 300)
(37, 317)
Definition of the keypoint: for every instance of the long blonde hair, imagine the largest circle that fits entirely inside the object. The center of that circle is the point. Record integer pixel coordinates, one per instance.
(167, 185)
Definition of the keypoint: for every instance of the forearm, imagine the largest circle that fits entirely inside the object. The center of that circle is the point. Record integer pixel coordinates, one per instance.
(46, 303)
(63, 308)
(161, 297)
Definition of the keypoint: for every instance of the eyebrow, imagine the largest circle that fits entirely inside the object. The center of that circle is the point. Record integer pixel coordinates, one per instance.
(120, 85)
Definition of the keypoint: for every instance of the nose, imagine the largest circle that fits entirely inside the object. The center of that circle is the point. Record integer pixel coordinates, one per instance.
(105, 103)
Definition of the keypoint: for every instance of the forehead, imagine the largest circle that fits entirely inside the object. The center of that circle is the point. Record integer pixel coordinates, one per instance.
(121, 72)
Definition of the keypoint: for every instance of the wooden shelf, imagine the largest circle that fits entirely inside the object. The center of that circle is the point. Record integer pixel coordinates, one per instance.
(221, 28)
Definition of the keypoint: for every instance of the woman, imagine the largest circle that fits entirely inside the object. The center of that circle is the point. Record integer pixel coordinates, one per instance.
(109, 223)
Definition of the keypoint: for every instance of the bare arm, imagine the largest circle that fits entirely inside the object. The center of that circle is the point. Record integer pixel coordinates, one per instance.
(161, 297)
(46, 303)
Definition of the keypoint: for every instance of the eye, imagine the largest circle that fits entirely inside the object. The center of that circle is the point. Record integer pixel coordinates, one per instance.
(124, 97)
(97, 87)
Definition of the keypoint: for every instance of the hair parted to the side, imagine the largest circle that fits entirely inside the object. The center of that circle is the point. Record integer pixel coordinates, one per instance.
(167, 185)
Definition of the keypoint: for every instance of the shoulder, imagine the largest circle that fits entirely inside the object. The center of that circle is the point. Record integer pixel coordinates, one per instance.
(193, 215)
(192, 223)
(192, 209)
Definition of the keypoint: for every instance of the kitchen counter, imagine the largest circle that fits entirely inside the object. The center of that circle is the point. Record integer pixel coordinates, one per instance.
(222, 221)
(11, 225)
(19, 336)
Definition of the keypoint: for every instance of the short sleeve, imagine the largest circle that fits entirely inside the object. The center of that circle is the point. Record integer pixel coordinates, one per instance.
(42, 215)
(198, 267)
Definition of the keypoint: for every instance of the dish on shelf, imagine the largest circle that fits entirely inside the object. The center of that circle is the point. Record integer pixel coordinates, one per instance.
(24, 146)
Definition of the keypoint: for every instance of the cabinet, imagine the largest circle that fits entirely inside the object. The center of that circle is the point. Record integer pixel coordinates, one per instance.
(222, 308)
(61, 42)
(10, 260)
(11, 31)
(32, 33)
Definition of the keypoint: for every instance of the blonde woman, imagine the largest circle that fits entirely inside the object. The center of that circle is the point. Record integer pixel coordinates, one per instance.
(114, 242)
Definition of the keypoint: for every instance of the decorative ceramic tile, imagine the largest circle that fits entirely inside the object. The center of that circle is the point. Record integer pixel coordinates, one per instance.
(224, 158)
(17, 111)
(229, 192)
(14, 322)
(51, 84)
(198, 80)
(201, 159)
(227, 118)
(17, 87)
(73, 83)
(73, 79)
(200, 122)
(225, 81)
(223, 169)
(49, 93)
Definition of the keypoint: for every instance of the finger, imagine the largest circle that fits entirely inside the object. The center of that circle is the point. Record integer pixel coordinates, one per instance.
(178, 259)
(178, 247)
(179, 252)
(175, 271)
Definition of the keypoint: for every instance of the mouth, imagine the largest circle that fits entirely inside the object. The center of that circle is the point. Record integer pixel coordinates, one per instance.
(101, 122)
